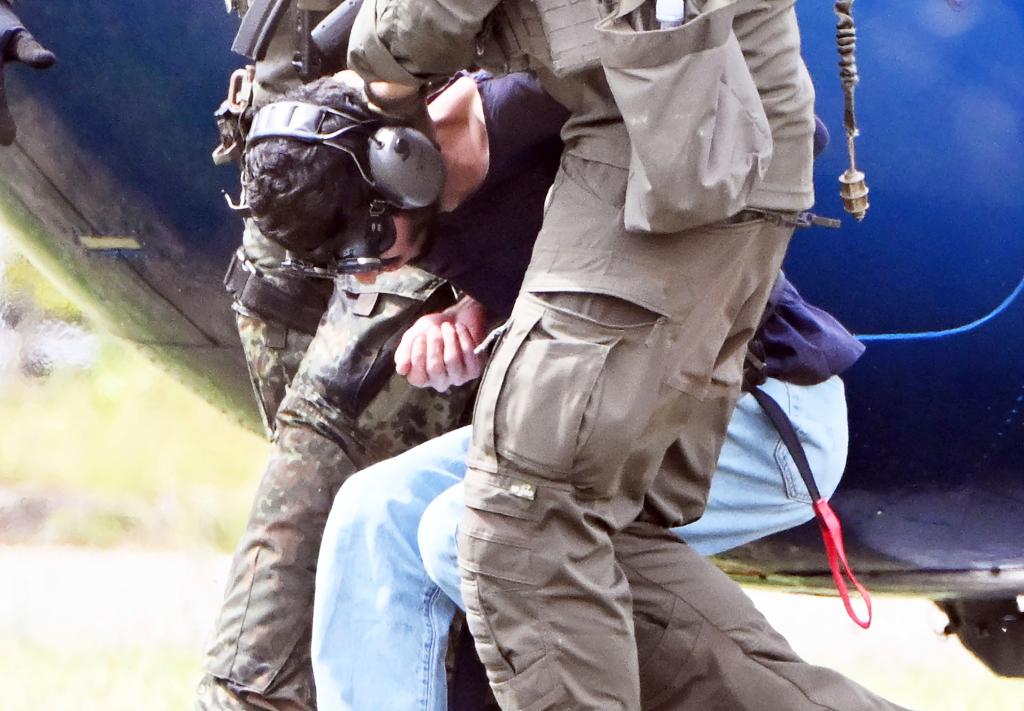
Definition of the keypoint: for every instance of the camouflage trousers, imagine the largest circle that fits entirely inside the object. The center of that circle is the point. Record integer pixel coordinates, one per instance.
(273, 354)
(343, 410)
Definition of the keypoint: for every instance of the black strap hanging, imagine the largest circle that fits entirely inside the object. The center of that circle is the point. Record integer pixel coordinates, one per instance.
(828, 522)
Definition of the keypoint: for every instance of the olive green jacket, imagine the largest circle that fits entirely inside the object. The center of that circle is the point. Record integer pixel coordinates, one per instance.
(414, 41)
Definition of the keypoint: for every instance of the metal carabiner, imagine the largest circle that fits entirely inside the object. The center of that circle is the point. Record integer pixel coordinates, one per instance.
(240, 86)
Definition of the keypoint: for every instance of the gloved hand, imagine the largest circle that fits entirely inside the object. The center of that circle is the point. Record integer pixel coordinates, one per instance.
(16, 45)
(404, 103)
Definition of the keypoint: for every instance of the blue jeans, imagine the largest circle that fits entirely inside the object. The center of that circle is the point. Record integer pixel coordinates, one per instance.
(388, 580)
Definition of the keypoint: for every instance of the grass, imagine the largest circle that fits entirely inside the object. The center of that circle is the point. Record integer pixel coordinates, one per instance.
(56, 677)
(130, 454)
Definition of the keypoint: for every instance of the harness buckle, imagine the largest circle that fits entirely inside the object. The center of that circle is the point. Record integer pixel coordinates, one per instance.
(240, 86)
(230, 114)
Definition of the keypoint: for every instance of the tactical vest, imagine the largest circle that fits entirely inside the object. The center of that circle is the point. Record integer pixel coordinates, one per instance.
(558, 34)
(240, 7)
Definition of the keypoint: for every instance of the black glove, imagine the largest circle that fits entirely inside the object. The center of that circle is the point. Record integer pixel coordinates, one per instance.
(16, 45)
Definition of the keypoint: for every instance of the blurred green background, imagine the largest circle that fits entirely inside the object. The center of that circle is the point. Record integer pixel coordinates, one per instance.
(127, 455)
(121, 494)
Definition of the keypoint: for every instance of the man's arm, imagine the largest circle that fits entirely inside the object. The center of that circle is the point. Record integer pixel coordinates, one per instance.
(410, 42)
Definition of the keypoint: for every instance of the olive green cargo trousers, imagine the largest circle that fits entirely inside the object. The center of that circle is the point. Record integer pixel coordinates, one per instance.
(582, 400)
(703, 646)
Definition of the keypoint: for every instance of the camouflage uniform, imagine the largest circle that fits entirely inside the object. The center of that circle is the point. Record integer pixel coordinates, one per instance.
(273, 355)
(272, 350)
(345, 409)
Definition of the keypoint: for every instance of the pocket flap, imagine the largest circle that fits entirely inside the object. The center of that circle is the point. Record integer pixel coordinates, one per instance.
(699, 136)
(619, 48)
(501, 494)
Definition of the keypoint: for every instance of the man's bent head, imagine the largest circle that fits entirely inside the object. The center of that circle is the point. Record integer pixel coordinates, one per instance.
(324, 176)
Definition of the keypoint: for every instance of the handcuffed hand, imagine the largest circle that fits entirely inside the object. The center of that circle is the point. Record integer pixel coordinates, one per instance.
(437, 351)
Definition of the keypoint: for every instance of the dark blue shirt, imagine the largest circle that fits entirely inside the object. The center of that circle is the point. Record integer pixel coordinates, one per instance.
(483, 247)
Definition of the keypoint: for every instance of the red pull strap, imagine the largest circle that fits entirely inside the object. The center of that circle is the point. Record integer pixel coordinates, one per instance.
(827, 519)
(832, 533)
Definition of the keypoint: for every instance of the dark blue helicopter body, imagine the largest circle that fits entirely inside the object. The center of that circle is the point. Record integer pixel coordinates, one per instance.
(937, 420)
(114, 142)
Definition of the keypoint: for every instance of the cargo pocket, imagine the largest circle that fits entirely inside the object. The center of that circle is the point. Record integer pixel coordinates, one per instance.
(566, 396)
(698, 132)
(482, 454)
(536, 390)
(272, 357)
(502, 569)
(544, 428)
(267, 388)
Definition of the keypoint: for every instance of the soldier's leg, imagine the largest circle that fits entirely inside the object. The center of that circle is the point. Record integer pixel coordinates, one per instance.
(344, 411)
(244, 660)
(581, 399)
(544, 599)
(703, 645)
(272, 354)
(701, 642)
(256, 659)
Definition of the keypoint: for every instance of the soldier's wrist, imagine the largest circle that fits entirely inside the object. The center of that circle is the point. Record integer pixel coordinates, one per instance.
(395, 99)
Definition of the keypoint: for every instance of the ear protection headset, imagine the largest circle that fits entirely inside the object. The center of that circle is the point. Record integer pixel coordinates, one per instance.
(401, 165)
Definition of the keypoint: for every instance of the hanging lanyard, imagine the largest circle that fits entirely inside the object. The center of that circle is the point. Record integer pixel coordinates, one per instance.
(828, 522)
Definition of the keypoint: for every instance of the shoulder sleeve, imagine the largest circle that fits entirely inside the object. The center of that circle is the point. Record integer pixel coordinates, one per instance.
(413, 41)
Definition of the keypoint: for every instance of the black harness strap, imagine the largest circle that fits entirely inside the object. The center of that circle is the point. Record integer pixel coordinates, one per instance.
(258, 27)
(300, 311)
(785, 428)
(828, 522)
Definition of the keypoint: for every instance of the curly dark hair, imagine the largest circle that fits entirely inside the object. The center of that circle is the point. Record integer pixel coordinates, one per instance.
(300, 194)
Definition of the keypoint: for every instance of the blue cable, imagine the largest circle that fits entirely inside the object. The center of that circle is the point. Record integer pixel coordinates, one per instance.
(932, 335)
